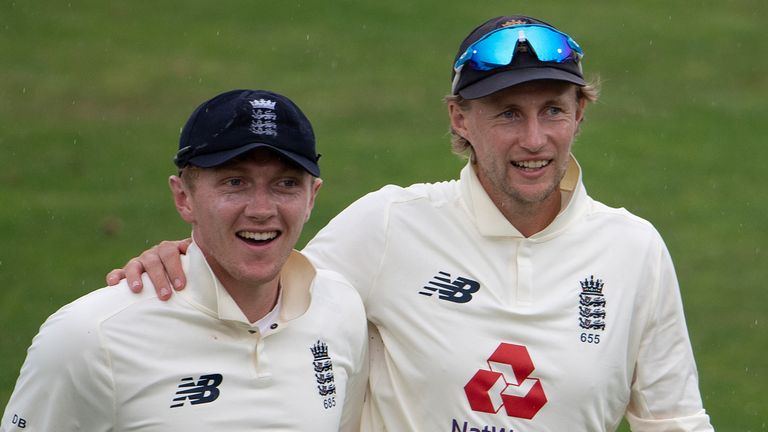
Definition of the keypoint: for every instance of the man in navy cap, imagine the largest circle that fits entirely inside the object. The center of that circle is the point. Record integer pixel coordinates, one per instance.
(509, 299)
(259, 340)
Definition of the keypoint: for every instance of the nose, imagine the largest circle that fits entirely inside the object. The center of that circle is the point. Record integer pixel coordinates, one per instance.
(260, 206)
(534, 136)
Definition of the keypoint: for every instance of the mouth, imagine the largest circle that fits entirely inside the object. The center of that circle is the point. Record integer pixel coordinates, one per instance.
(258, 238)
(531, 165)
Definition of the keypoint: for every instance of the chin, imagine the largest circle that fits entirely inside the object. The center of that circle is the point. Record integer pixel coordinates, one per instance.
(534, 195)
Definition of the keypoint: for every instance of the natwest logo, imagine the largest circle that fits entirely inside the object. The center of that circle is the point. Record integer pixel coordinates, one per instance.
(507, 383)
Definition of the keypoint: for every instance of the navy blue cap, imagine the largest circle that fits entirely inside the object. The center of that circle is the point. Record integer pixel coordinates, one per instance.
(473, 84)
(239, 121)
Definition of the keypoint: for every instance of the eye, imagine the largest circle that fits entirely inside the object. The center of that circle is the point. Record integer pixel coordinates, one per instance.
(234, 182)
(511, 115)
(554, 110)
(288, 183)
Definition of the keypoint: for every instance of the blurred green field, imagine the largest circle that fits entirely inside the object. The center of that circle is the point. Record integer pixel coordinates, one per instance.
(93, 94)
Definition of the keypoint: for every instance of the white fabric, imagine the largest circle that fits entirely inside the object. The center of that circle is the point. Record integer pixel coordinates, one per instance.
(115, 361)
(397, 244)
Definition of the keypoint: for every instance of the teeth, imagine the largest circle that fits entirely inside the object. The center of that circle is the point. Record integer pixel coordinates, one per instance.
(258, 236)
(531, 164)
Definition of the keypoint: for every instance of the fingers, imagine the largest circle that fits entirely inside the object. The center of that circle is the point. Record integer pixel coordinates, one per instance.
(132, 271)
(161, 263)
(150, 262)
(184, 245)
(114, 277)
(170, 255)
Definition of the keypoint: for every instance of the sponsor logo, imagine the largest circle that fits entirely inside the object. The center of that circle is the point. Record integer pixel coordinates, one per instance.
(21, 423)
(457, 290)
(507, 383)
(197, 391)
(466, 427)
(323, 366)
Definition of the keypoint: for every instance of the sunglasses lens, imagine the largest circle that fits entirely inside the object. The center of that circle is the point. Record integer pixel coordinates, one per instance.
(549, 45)
(494, 51)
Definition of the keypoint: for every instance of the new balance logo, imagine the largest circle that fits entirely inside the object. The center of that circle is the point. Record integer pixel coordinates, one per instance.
(204, 390)
(459, 290)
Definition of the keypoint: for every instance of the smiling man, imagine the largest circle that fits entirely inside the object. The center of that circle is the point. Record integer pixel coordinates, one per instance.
(260, 339)
(509, 299)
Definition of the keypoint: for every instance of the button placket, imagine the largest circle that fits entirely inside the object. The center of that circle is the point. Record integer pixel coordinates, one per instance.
(259, 358)
(524, 273)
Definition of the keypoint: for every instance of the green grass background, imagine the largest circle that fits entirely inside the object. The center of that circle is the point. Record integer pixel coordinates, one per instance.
(93, 94)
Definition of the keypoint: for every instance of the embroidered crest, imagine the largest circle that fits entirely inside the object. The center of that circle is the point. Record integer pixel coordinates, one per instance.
(323, 366)
(263, 117)
(592, 304)
(514, 22)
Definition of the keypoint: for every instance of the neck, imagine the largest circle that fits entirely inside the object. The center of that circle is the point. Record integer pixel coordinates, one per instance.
(530, 218)
(255, 302)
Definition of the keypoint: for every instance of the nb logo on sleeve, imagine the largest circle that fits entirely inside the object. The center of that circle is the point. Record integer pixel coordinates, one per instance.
(459, 290)
(203, 390)
(19, 422)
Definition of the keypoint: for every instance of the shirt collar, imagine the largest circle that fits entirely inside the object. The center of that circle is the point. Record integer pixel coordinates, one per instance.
(206, 291)
(491, 222)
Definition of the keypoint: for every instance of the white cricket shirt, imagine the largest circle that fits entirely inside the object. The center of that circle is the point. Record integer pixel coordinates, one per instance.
(116, 361)
(477, 328)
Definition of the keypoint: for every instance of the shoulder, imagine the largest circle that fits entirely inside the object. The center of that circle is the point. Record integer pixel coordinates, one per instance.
(332, 287)
(74, 330)
(367, 219)
(333, 294)
(393, 194)
(623, 224)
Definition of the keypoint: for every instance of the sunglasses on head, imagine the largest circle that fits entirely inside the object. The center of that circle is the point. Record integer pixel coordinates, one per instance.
(497, 48)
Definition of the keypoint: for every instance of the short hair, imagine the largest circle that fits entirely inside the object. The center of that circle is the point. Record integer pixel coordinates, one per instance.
(189, 175)
(463, 148)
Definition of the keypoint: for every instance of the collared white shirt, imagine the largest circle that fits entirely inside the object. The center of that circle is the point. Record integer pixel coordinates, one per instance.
(476, 327)
(116, 361)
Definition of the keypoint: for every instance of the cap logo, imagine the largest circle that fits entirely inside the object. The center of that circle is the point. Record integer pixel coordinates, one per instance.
(263, 117)
(514, 23)
(263, 103)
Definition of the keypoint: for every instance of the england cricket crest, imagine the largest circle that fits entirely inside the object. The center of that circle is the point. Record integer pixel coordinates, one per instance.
(323, 369)
(263, 117)
(592, 304)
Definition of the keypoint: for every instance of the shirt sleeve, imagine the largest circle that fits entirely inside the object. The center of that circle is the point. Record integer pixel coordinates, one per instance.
(665, 390)
(357, 382)
(353, 242)
(65, 383)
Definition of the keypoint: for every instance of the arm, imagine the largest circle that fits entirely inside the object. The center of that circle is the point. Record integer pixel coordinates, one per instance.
(65, 383)
(162, 263)
(355, 396)
(355, 324)
(665, 389)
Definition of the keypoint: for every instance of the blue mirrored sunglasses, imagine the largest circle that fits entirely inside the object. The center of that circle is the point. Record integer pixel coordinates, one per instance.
(497, 48)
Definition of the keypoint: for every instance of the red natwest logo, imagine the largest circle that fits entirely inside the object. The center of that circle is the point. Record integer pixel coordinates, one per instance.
(507, 384)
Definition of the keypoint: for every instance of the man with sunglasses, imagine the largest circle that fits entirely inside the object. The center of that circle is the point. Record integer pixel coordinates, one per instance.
(508, 299)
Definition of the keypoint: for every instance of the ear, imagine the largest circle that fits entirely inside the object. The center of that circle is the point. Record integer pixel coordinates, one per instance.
(458, 119)
(316, 184)
(182, 199)
(580, 109)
